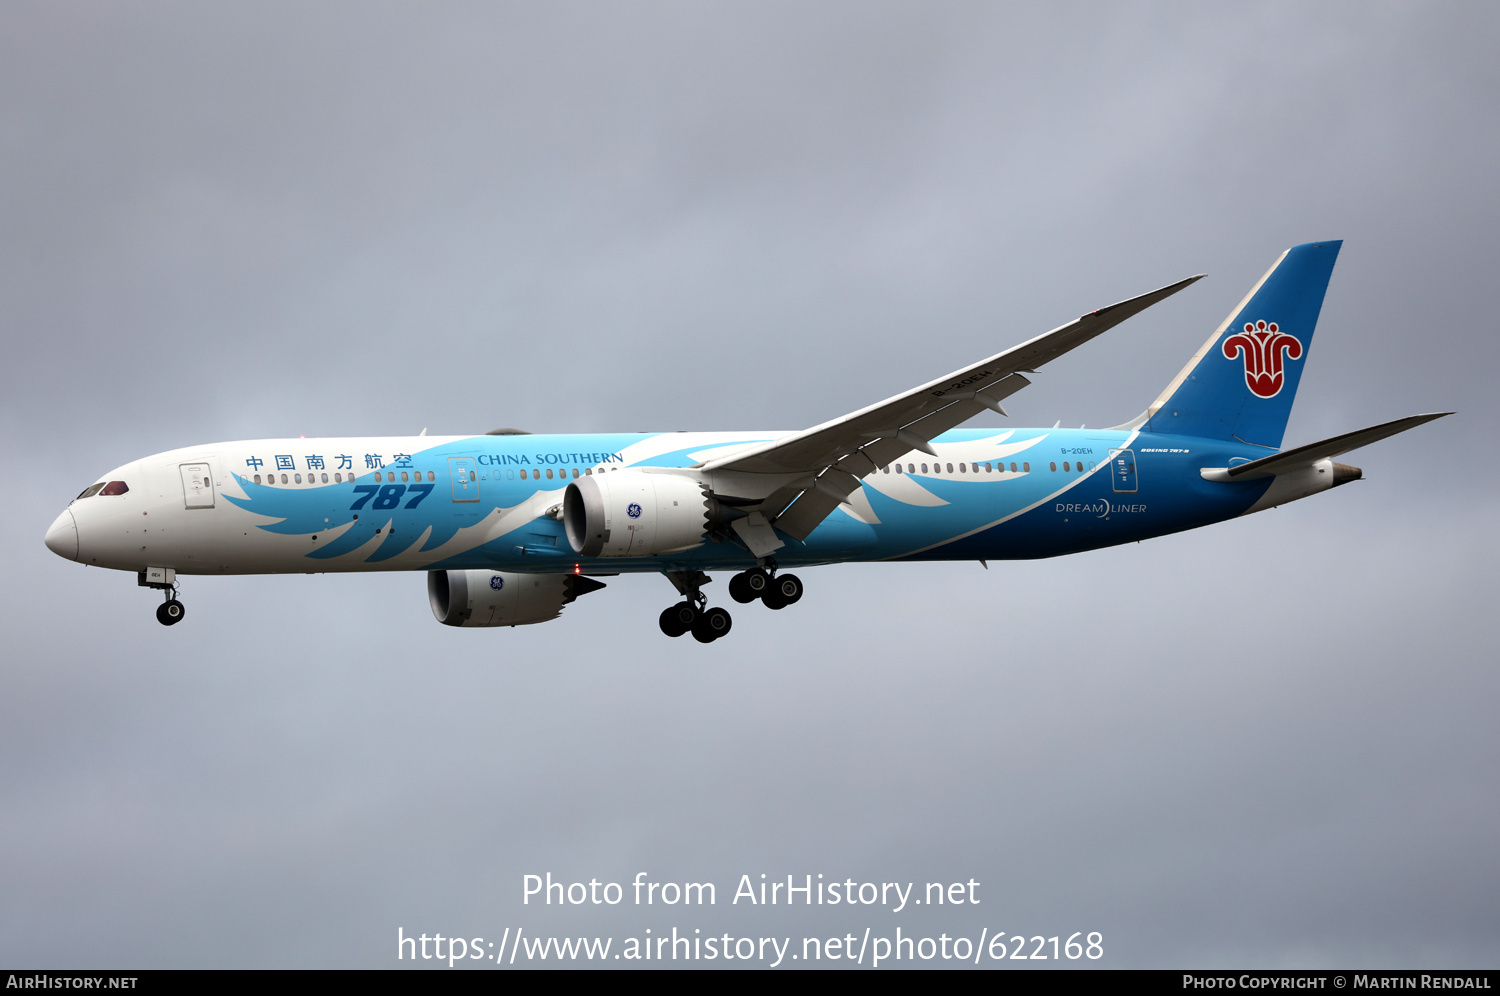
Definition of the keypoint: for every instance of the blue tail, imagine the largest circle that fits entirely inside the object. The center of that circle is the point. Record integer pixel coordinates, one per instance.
(1241, 384)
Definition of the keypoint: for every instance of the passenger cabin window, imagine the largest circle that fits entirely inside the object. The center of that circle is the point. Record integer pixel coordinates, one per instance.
(325, 478)
(1025, 466)
(1053, 465)
(90, 491)
(297, 478)
(114, 488)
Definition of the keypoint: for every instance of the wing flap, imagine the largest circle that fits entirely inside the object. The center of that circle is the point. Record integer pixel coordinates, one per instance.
(831, 489)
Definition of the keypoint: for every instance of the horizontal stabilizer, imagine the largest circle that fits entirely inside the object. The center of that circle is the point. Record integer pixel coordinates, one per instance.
(1306, 456)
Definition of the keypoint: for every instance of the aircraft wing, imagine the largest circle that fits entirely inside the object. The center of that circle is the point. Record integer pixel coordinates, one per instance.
(832, 457)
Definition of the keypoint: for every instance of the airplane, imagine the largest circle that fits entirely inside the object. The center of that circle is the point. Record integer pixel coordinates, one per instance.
(510, 526)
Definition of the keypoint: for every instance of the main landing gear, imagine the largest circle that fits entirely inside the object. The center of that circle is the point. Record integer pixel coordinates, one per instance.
(777, 591)
(706, 625)
(692, 614)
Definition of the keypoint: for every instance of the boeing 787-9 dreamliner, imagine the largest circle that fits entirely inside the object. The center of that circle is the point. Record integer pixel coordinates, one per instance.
(510, 527)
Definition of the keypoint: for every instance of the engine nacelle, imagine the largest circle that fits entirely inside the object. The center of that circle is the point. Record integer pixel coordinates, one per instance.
(629, 513)
(497, 598)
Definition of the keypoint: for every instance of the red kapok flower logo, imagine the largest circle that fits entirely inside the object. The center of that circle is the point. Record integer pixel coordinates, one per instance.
(1265, 348)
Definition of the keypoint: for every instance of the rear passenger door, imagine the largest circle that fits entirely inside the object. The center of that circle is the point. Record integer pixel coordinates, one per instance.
(1122, 471)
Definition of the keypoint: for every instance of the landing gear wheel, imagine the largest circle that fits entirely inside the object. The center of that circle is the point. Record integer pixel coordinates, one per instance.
(749, 585)
(678, 619)
(783, 590)
(170, 612)
(711, 625)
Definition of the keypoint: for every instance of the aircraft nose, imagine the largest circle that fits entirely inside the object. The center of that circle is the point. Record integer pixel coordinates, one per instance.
(62, 536)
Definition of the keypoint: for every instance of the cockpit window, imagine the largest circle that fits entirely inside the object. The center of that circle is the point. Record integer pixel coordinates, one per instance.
(115, 488)
(90, 491)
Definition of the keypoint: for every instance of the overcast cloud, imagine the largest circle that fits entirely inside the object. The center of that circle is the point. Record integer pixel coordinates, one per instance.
(1271, 742)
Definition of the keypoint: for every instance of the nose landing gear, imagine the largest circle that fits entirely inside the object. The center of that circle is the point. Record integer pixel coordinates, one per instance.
(170, 612)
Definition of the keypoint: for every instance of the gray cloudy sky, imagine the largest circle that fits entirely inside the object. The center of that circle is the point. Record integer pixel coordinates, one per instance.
(1271, 742)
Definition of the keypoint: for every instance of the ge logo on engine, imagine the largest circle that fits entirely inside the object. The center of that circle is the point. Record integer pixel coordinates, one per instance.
(497, 582)
(634, 511)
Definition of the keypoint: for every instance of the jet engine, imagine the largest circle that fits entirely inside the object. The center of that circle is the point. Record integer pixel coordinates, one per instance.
(497, 598)
(630, 513)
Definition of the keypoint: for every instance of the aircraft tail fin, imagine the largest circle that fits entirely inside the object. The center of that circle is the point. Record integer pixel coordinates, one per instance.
(1241, 384)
